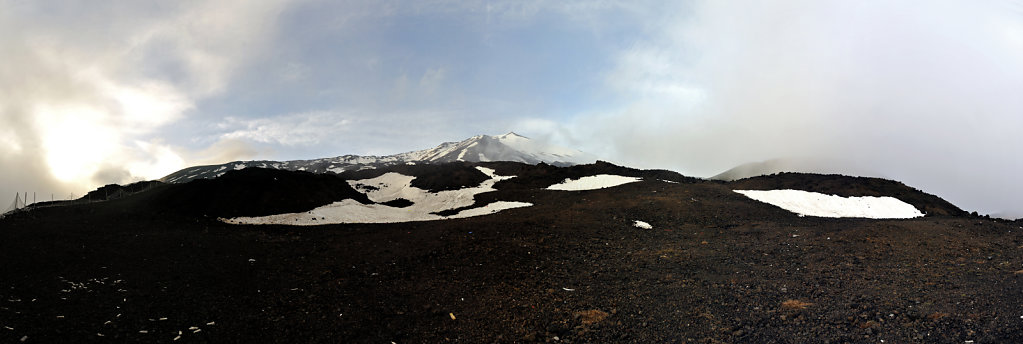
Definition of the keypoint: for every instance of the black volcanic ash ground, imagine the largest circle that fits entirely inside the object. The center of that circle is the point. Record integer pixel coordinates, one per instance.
(716, 267)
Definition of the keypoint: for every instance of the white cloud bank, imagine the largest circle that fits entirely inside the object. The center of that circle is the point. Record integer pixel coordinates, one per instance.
(919, 92)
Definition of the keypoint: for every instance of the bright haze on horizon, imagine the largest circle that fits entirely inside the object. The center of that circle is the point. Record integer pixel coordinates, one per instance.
(924, 92)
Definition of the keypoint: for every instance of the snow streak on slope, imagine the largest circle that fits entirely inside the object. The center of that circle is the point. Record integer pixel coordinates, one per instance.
(818, 204)
(599, 181)
(389, 187)
(480, 148)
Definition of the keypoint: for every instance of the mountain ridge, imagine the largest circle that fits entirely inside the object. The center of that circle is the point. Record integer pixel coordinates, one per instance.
(480, 148)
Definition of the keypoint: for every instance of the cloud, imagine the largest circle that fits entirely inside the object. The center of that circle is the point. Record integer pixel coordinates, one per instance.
(923, 94)
(224, 150)
(85, 88)
(304, 129)
(351, 131)
(431, 80)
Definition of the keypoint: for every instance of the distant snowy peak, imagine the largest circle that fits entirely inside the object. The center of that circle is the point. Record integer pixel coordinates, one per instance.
(479, 148)
(507, 147)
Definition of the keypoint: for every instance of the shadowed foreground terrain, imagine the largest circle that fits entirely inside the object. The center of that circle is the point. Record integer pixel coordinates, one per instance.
(716, 268)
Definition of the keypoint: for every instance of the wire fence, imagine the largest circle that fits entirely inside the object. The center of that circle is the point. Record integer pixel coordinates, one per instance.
(21, 204)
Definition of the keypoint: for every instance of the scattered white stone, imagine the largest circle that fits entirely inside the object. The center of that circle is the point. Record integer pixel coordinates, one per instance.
(211, 323)
(641, 224)
(143, 331)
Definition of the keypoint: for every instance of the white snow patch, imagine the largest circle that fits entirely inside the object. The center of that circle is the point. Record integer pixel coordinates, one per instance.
(641, 224)
(388, 187)
(599, 181)
(461, 155)
(489, 209)
(807, 203)
(239, 166)
(336, 169)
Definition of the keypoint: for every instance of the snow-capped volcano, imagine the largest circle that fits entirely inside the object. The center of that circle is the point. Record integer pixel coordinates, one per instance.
(480, 148)
(507, 147)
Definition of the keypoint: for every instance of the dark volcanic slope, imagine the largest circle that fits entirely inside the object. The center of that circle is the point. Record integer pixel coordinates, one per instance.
(430, 177)
(543, 175)
(847, 186)
(716, 268)
(253, 192)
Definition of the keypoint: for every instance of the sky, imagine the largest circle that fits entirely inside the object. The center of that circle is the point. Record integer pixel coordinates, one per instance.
(924, 92)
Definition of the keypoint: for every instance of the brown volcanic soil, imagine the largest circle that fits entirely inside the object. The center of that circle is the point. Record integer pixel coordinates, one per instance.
(716, 268)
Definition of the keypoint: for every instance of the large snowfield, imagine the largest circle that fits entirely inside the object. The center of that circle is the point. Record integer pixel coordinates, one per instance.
(817, 204)
(599, 181)
(389, 187)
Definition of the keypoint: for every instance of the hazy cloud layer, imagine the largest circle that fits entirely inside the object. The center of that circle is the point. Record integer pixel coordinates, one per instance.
(920, 92)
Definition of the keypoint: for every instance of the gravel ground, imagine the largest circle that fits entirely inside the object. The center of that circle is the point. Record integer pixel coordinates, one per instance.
(716, 267)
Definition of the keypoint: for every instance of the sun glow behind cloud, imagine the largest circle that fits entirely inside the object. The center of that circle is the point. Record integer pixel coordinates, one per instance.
(88, 89)
(76, 141)
(81, 139)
